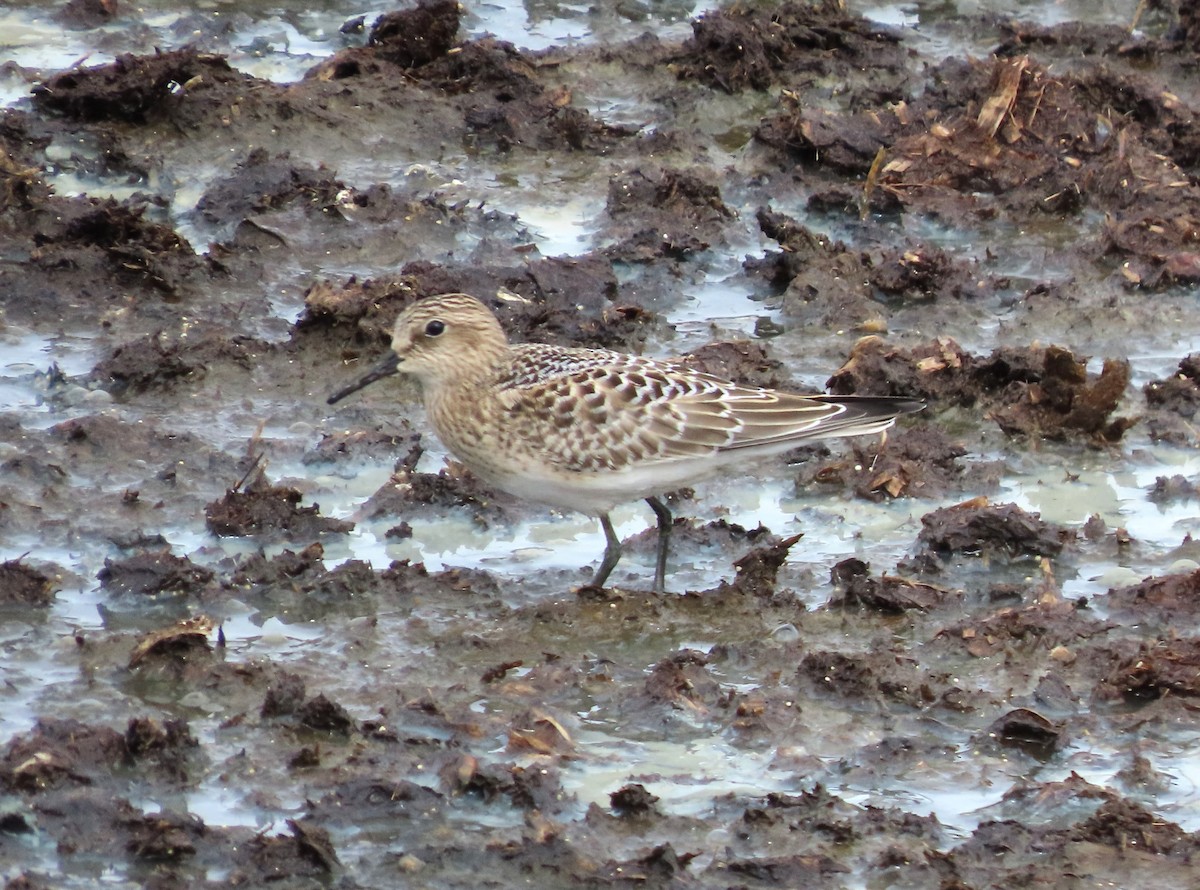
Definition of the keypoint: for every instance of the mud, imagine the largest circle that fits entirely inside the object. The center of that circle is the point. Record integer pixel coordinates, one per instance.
(982, 681)
(260, 508)
(24, 584)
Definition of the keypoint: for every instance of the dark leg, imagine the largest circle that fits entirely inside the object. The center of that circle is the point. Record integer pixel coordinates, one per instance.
(612, 552)
(664, 536)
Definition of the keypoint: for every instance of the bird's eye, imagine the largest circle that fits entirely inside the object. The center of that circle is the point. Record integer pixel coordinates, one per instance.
(434, 328)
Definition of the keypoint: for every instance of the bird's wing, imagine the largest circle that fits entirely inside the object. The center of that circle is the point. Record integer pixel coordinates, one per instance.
(725, 417)
(598, 410)
(591, 410)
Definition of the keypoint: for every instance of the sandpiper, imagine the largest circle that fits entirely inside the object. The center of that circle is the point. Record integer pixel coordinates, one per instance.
(587, 429)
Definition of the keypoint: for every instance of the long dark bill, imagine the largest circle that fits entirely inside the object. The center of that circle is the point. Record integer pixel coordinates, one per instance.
(385, 368)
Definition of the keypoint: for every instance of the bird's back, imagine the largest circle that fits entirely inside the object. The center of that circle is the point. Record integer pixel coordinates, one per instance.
(595, 410)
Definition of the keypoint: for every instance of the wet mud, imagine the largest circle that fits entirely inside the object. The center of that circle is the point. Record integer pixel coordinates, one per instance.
(437, 726)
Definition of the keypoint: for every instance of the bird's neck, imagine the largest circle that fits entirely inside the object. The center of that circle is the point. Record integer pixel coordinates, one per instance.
(472, 375)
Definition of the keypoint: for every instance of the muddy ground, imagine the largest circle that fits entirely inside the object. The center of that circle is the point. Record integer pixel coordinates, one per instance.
(1008, 235)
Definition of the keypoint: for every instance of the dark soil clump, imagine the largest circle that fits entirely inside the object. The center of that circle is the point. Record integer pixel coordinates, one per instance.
(414, 37)
(148, 574)
(21, 583)
(742, 49)
(134, 88)
(263, 508)
(1036, 392)
(979, 527)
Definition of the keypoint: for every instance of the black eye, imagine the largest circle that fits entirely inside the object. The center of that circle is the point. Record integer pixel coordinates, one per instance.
(434, 328)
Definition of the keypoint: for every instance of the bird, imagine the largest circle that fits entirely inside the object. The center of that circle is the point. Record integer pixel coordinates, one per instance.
(586, 429)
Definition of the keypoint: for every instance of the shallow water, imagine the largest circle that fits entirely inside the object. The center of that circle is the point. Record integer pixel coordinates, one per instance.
(558, 209)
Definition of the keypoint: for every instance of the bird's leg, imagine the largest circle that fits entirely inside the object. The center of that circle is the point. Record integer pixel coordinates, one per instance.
(612, 552)
(664, 536)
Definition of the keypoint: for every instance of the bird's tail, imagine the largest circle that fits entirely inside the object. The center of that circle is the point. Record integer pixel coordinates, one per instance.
(865, 414)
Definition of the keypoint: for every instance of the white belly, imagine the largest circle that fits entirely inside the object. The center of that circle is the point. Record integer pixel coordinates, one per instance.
(597, 493)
